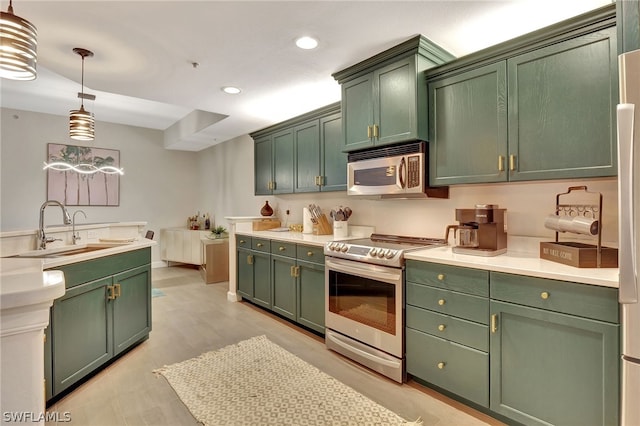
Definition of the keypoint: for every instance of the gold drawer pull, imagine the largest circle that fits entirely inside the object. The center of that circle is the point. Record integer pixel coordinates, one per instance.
(544, 295)
(309, 253)
(281, 248)
(242, 241)
(440, 277)
(441, 327)
(259, 245)
(441, 302)
(441, 365)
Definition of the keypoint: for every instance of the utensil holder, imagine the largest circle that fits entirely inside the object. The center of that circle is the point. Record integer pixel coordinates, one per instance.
(340, 229)
(323, 227)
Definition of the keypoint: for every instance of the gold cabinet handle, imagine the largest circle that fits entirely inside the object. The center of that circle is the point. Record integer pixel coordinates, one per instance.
(111, 292)
(441, 327)
(544, 295)
(494, 323)
(441, 365)
(441, 302)
(282, 248)
(376, 131)
(309, 253)
(369, 131)
(512, 162)
(501, 163)
(292, 271)
(259, 245)
(117, 292)
(250, 259)
(242, 241)
(440, 277)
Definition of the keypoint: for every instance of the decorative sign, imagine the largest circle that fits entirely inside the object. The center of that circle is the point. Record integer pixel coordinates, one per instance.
(83, 176)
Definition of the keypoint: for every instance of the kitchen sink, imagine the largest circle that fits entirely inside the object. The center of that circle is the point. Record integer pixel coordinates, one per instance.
(66, 251)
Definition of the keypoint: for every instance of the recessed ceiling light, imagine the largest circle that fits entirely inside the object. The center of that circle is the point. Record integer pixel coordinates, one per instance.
(307, 42)
(231, 90)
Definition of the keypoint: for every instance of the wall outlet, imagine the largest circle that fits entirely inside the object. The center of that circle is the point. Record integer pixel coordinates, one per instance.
(92, 235)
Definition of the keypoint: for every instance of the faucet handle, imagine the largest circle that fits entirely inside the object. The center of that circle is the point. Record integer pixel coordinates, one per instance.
(51, 239)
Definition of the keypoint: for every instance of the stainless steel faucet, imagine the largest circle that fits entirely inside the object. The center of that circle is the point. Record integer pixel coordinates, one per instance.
(75, 236)
(42, 238)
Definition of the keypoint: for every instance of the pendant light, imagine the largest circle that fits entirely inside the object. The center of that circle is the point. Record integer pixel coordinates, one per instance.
(81, 122)
(18, 46)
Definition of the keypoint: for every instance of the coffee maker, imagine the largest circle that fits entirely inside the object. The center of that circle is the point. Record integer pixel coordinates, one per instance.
(481, 232)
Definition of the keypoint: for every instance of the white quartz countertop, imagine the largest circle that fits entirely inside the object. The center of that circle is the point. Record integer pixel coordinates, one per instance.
(310, 239)
(521, 263)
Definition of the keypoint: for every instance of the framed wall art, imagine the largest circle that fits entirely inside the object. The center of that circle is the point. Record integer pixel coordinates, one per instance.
(82, 175)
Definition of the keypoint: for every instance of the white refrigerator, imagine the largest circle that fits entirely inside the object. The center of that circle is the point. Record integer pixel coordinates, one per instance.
(629, 232)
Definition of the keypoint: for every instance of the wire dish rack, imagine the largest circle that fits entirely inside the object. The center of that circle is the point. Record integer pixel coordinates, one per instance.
(584, 218)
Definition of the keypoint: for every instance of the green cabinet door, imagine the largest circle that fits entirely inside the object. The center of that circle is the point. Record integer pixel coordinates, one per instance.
(244, 266)
(262, 279)
(131, 307)
(283, 162)
(263, 165)
(81, 332)
(395, 109)
(357, 112)
(562, 103)
(334, 172)
(552, 368)
(311, 298)
(283, 278)
(468, 126)
(308, 156)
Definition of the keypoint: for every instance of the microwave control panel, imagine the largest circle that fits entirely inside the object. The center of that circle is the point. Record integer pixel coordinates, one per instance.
(413, 171)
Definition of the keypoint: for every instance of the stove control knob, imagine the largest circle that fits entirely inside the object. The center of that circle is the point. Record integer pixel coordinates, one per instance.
(373, 252)
(390, 254)
(382, 253)
(344, 248)
(329, 246)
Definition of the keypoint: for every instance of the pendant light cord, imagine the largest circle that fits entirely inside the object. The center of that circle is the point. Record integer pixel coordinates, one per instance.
(82, 85)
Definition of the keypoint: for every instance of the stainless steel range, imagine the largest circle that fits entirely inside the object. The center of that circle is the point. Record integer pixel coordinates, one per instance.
(364, 292)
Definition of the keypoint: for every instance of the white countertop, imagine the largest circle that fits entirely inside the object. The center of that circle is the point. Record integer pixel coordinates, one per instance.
(311, 239)
(520, 262)
(79, 226)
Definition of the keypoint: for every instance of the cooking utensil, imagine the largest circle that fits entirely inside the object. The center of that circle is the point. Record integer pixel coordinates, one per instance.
(347, 212)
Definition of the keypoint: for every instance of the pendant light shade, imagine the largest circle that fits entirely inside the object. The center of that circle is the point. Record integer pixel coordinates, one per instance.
(81, 121)
(18, 47)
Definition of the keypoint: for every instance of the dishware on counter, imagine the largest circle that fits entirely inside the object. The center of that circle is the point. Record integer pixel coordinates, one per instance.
(481, 231)
(577, 224)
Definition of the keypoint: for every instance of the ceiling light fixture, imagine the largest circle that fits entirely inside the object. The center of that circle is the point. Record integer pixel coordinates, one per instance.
(18, 47)
(307, 43)
(82, 122)
(231, 90)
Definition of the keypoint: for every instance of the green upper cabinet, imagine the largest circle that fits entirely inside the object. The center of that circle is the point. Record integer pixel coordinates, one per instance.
(468, 116)
(384, 98)
(303, 154)
(562, 103)
(541, 106)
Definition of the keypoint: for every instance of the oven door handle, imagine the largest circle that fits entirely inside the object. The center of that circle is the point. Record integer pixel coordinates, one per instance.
(375, 272)
(367, 355)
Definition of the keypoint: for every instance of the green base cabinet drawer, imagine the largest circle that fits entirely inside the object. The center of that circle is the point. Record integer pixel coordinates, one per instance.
(243, 241)
(261, 244)
(461, 305)
(313, 254)
(446, 277)
(552, 368)
(584, 300)
(456, 368)
(447, 327)
(282, 248)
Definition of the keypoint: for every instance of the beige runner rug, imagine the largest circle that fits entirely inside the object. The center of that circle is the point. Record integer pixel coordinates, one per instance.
(256, 382)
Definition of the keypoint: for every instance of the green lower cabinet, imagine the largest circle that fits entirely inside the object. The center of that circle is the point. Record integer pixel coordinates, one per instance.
(254, 276)
(457, 368)
(310, 297)
(244, 267)
(284, 286)
(553, 368)
(82, 332)
(98, 318)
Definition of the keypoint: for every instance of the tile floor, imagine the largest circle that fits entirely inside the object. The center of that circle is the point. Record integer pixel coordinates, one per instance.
(192, 318)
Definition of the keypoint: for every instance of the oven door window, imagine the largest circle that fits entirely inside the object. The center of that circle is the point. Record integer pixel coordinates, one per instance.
(363, 300)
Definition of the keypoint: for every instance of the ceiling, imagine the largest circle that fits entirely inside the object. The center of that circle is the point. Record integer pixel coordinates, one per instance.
(143, 72)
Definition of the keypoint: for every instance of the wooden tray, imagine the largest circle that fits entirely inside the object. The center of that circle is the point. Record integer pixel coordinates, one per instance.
(580, 255)
(265, 224)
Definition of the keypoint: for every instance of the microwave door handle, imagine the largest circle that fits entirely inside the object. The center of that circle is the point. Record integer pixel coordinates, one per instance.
(628, 246)
(402, 173)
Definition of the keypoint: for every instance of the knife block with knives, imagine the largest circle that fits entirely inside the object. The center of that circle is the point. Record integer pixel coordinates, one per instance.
(321, 225)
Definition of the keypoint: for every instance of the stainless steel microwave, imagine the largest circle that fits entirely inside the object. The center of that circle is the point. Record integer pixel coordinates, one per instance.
(398, 171)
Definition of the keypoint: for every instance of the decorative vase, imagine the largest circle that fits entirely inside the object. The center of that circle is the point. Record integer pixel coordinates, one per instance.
(266, 210)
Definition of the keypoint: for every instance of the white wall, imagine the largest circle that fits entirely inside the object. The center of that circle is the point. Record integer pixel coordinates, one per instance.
(164, 187)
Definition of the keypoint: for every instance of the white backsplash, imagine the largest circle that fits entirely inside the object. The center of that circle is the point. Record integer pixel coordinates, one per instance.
(527, 205)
